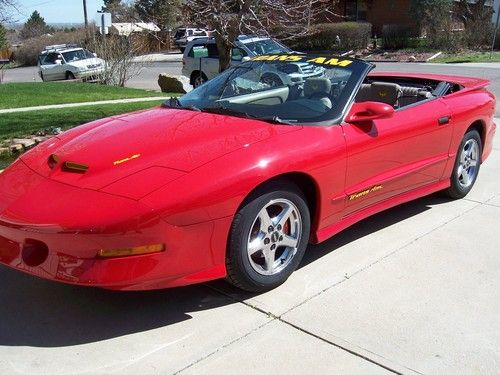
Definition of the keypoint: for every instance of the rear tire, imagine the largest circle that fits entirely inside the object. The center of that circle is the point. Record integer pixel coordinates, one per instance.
(467, 164)
(199, 79)
(70, 76)
(268, 238)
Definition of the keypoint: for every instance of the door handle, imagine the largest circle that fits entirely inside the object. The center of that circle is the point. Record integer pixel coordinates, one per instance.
(444, 120)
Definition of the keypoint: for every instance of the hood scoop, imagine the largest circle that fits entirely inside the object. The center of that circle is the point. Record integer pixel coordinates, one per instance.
(67, 166)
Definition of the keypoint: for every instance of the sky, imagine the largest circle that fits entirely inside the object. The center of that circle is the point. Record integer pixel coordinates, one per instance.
(57, 11)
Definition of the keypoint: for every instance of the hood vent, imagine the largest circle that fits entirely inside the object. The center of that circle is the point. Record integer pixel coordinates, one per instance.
(70, 166)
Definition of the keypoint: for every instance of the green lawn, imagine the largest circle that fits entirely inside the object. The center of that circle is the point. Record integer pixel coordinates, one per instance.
(16, 95)
(18, 124)
(468, 57)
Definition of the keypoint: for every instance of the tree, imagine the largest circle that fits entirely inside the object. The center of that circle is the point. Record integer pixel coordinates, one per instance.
(435, 17)
(477, 21)
(120, 12)
(3, 37)
(5, 7)
(34, 26)
(229, 18)
(163, 13)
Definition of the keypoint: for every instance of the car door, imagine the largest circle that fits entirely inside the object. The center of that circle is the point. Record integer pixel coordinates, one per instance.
(48, 67)
(388, 157)
(210, 64)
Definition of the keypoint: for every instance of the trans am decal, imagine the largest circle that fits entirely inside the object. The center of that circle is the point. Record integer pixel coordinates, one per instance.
(331, 61)
(365, 192)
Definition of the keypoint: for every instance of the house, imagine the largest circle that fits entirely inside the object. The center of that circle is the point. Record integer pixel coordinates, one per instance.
(377, 12)
(128, 28)
(384, 12)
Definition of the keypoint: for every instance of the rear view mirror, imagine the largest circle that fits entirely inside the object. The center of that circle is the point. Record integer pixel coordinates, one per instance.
(369, 111)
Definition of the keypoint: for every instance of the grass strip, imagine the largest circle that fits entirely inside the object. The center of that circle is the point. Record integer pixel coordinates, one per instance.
(31, 94)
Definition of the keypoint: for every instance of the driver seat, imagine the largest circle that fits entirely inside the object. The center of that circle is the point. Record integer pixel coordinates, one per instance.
(318, 88)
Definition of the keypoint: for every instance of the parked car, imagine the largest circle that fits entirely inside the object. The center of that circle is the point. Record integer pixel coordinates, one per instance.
(234, 179)
(184, 35)
(66, 61)
(200, 70)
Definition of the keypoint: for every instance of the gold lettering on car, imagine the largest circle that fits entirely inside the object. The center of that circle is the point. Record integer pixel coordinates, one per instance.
(364, 193)
(117, 162)
(297, 58)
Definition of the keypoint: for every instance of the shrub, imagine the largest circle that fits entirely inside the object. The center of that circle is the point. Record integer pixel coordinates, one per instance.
(28, 53)
(351, 36)
(478, 35)
(397, 37)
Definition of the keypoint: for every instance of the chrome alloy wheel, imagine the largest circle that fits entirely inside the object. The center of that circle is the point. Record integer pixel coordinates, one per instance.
(468, 166)
(274, 237)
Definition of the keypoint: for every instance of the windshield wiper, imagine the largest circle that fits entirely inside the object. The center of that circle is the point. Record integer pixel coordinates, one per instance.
(174, 102)
(223, 110)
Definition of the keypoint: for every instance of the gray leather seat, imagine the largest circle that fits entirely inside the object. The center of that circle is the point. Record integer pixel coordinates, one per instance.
(384, 92)
(319, 88)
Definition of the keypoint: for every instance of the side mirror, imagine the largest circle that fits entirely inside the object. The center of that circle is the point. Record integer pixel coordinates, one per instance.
(369, 111)
(94, 54)
(246, 58)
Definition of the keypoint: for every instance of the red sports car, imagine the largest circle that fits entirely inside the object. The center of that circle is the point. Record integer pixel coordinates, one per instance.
(235, 178)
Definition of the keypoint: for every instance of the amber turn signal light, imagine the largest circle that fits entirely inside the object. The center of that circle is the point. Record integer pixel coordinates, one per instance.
(139, 250)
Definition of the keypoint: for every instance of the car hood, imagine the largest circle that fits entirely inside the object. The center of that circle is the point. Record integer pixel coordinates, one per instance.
(86, 62)
(117, 147)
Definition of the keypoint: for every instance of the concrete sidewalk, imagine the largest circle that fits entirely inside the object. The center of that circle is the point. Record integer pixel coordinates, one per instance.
(413, 290)
(83, 104)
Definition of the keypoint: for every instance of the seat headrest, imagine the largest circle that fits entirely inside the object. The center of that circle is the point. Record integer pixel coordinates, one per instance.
(386, 92)
(317, 85)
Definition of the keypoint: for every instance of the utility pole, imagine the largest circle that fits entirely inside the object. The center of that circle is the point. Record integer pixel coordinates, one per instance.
(85, 14)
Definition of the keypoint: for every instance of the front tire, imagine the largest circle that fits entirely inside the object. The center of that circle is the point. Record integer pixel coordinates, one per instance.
(466, 166)
(268, 238)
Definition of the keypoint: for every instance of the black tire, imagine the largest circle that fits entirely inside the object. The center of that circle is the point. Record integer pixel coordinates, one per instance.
(182, 49)
(241, 270)
(199, 78)
(70, 76)
(458, 189)
(271, 79)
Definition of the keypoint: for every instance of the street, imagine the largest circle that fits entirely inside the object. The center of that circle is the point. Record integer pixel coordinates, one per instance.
(412, 290)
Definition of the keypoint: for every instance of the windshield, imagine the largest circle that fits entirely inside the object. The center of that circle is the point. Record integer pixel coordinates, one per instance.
(77, 55)
(281, 88)
(266, 47)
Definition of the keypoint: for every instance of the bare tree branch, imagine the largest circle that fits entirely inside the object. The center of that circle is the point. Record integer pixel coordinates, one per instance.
(229, 18)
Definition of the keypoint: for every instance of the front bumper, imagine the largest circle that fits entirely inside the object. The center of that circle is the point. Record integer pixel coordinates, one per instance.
(90, 75)
(74, 224)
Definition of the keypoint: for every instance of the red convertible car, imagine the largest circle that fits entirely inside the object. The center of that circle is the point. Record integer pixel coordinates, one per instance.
(235, 178)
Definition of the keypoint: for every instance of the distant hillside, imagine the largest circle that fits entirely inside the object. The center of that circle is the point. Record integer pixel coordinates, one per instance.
(57, 25)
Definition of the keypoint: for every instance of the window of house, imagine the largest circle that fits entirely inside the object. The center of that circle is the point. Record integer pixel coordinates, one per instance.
(356, 10)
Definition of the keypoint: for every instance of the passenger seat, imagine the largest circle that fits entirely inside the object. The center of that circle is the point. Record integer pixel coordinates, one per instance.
(384, 92)
(318, 88)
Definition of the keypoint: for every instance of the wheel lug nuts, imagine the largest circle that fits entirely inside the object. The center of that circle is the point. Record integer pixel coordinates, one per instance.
(273, 247)
(266, 241)
(281, 238)
(278, 227)
(270, 229)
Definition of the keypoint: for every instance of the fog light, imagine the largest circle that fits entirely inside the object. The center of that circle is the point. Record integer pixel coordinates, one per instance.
(139, 250)
(34, 252)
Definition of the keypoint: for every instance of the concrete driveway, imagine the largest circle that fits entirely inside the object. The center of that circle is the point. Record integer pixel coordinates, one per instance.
(413, 290)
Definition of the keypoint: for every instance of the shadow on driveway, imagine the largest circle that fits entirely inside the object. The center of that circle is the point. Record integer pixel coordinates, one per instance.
(41, 313)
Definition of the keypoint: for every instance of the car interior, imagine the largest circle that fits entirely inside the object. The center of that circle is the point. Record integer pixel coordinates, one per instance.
(402, 92)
